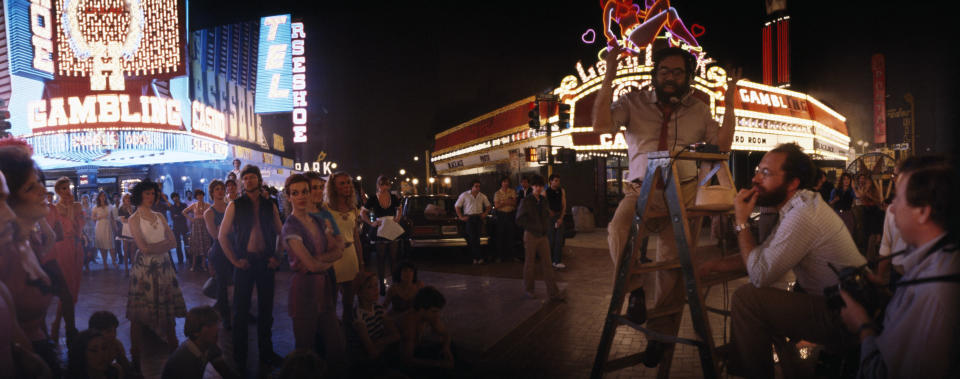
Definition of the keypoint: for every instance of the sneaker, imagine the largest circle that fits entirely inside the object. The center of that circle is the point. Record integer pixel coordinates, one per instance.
(637, 307)
(559, 266)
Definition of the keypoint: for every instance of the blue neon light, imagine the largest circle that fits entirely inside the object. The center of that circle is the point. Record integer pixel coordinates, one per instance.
(21, 49)
(274, 67)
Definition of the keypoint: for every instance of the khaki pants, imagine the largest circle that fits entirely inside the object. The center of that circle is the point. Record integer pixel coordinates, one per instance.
(668, 288)
(538, 247)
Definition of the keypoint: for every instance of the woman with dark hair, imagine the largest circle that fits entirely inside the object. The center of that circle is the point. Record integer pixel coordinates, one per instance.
(405, 286)
(89, 358)
(220, 268)
(313, 250)
(104, 230)
(200, 240)
(384, 204)
(29, 285)
(154, 300)
(841, 199)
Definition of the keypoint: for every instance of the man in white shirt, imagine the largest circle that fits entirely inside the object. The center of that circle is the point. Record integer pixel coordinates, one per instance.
(919, 335)
(808, 236)
(472, 208)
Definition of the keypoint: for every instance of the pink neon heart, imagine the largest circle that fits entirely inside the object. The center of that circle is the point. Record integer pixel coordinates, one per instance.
(589, 36)
(697, 30)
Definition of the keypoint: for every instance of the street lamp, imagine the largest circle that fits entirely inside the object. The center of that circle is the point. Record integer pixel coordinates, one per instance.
(446, 181)
(359, 178)
(403, 172)
(431, 179)
(183, 178)
(415, 181)
(416, 158)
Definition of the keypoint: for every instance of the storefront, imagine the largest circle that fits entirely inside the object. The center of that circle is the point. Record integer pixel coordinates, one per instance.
(501, 141)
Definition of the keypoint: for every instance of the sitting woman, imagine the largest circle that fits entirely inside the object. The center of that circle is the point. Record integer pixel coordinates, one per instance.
(89, 358)
(425, 343)
(373, 333)
(405, 286)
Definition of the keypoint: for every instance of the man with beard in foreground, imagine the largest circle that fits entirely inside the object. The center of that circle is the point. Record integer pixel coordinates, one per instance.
(808, 236)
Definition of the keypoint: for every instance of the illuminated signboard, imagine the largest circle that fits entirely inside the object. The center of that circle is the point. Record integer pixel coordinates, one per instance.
(299, 84)
(109, 39)
(31, 38)
(274, 66)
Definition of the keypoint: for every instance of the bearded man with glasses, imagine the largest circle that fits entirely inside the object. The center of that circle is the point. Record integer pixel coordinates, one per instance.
(807, 238)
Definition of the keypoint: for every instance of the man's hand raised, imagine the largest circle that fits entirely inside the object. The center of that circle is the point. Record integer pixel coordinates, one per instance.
(744, 204)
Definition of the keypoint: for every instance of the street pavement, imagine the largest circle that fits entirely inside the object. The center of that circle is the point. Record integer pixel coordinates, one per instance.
(498, 331)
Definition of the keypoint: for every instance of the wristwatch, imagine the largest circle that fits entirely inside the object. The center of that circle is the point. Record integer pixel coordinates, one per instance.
(741, 227)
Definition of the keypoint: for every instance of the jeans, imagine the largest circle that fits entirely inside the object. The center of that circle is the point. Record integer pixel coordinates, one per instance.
(557, 240)
(260, 275)
(223, 270)
(506, 232)
(474, 225)
(180, 237)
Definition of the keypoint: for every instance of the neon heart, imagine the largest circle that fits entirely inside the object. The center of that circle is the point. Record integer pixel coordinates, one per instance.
(697, 30)
(589, 36)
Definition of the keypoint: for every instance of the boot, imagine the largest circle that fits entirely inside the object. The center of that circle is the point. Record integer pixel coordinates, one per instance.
(654, 354)
(637, 307)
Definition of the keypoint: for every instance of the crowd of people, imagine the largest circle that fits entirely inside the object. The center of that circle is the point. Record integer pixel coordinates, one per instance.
(241, 238)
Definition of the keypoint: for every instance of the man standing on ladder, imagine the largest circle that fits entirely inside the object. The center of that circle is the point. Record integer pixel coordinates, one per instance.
(667, 117)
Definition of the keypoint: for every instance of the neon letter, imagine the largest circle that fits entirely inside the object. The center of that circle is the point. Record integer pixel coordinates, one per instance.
(85, 112)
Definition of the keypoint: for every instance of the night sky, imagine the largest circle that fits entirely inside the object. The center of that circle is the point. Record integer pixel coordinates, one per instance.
(391, 75)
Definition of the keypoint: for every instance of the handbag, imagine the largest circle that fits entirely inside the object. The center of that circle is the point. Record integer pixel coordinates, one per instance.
(717, 197)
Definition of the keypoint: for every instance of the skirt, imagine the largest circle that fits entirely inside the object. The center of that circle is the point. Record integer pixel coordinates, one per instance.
(154, 298)
(200, 240)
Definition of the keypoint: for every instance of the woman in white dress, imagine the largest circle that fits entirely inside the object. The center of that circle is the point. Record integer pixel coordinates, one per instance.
(154, 300)
(103, 239)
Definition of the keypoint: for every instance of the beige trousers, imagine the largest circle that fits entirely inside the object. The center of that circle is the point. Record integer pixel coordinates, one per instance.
(668, 287)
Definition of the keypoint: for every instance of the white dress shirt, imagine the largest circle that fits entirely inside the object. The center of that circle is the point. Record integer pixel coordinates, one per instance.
(808, 235)
(472, 204)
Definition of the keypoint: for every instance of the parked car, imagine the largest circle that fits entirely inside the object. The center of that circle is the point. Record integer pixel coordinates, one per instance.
(431, 221)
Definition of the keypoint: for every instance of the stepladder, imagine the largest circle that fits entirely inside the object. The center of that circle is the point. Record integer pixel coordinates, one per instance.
(680, 205)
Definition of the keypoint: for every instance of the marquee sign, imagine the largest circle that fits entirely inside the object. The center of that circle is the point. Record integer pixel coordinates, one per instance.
(299, 83)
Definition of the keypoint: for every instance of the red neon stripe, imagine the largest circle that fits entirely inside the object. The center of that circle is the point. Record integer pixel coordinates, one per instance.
(786, 51)
(767, 61)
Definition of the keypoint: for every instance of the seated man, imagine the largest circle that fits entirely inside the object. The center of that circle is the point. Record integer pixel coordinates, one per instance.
(106, 323)
(920, 328)
(190, 359)
(808, 236)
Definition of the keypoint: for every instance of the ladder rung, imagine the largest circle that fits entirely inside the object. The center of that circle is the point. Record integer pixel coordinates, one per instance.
(624, 362)
(670, 264)
(657, 336)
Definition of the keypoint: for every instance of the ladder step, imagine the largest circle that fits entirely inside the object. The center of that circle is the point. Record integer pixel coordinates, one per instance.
(655, 313)
(624, 362)
(670, 264)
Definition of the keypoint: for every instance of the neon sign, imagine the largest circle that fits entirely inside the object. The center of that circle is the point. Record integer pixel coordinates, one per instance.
(299, 83)
(208, 120)
(274, 76)
(30, 38)
(42, 27)
(104, 108)
(105, 40)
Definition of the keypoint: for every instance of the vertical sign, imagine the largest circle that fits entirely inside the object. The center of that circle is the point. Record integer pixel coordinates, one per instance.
(273, 66)
(299, 83)
(879, 99)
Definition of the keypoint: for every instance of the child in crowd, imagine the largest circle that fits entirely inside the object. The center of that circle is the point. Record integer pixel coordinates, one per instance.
(374, 333)
(189, 361)
(105, 323)
(405, 286)
(426, 355)
(88, 357)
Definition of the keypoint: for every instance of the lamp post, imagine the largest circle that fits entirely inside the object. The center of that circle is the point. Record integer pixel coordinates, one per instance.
(431, 180)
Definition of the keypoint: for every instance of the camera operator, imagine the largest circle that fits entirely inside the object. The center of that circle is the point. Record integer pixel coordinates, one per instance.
(807, 236)
(920, 335)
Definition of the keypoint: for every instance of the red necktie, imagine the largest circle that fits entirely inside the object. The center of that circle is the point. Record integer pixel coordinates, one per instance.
(667, 111)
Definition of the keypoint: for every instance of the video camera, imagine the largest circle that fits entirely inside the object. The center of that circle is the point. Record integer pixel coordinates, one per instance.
(854, 280)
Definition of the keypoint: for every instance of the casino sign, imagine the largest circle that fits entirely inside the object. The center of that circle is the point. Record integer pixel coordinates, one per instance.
(102, 83)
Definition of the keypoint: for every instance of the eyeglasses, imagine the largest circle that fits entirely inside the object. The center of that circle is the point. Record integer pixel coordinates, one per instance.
(765, 172)
(677, 72)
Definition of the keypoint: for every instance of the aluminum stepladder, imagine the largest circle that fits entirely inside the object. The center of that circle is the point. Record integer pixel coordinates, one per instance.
(660, 168)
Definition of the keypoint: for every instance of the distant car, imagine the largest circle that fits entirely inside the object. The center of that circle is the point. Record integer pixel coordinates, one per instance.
(431, 221)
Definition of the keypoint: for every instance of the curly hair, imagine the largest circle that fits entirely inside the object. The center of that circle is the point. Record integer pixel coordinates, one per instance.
(16, 166)
(330, 190)
(144, 185)
(213, 185)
